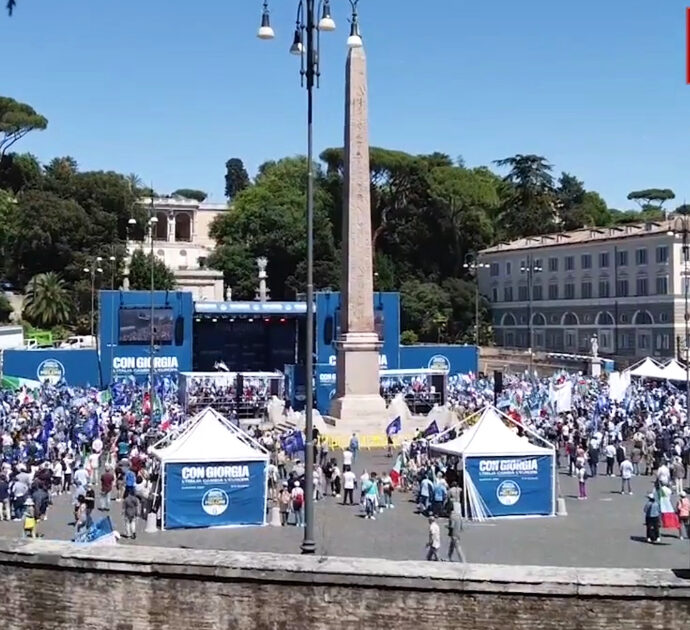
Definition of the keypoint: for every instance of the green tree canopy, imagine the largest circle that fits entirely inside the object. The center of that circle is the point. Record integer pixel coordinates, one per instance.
(140, 273)
(236, 178)
(16, 120)
(190, 193)
(651, 198)
(530, 207)
(269, 219)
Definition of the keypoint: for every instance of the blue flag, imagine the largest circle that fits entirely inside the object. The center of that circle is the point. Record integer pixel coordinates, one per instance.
(394, 427)
(432, 429)
(292, 442)
(98, 530)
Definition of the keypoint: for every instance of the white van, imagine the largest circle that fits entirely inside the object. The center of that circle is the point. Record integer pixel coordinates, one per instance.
(79, 341)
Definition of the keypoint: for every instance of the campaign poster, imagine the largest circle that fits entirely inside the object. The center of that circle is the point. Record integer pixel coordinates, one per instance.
(513, 486)
(213, 495)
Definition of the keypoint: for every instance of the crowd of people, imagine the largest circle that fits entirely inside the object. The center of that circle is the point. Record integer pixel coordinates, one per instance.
(93, 445)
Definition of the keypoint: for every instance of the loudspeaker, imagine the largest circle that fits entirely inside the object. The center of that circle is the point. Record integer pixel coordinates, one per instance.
(438, 382)
(179, 331)
(240, 387)
(274, 385)
(328, 331)
(498, 381)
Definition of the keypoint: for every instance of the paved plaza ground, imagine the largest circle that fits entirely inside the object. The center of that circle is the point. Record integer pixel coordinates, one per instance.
(605, 531)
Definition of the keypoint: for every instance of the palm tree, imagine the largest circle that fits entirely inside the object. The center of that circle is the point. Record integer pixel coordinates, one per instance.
(47, 302)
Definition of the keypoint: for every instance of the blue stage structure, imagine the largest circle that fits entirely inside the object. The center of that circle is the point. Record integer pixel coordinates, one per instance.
(237, 336)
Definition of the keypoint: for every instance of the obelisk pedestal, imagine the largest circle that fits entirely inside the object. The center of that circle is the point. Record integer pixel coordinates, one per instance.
(357, 405)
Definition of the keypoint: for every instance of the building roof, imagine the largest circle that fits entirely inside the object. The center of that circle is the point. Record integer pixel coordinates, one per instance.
(584, 235)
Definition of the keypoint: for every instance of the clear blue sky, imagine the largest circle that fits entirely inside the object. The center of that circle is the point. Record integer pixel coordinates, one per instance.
(169, 89)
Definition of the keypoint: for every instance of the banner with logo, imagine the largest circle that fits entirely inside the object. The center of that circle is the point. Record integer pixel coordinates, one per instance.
(512, 486)
(213, 495)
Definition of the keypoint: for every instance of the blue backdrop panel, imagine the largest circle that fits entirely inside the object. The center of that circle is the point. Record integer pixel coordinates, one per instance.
(513, 486)
(121, 359)
(454, 359)
(212, 495)
(387, 323)
(76, 367)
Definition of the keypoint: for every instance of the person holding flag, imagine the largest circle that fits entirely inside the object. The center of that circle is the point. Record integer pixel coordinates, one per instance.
(392, 429)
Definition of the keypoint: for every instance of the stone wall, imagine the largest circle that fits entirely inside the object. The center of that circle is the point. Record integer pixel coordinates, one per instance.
(50, 585)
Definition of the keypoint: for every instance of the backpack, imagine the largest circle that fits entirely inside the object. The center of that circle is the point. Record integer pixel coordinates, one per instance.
(298, 501)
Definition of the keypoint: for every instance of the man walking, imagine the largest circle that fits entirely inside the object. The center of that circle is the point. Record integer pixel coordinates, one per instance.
(454, 529)
(626, 474)
(434, 543)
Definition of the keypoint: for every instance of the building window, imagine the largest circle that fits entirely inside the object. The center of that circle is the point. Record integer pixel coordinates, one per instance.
(641, 257)
(507, 294)
(622, 259)
(603, 288)
(569, 263)
(510, 339)
(537, 293)
(604, 259)
(494, 294)
(586, 261)
(586, 290)
(509, 268)
(553, 264)
(663, 342)
(569, 291)
(570, 339)
(664, 318)
(537, 266)
(662, 285)
(662, 254)
(494, 270)
(553, 292)
(643, 342)
(622, 288)
(523, 294)
(641, 286)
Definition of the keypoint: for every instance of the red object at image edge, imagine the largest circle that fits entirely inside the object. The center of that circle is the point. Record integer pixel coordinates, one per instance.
(687, 45)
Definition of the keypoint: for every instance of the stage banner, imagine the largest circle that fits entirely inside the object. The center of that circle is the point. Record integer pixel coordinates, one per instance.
(513, 486)
(216, 494)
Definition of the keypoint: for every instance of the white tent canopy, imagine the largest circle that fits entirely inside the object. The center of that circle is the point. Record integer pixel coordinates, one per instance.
(674, 371)
(491, 437)
(649, 369)
(210, 437)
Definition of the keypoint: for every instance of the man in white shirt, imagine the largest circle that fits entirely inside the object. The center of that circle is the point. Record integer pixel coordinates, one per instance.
(610, 452)
(349, 482)
(434, 543)
(626, 475)
(347, 458)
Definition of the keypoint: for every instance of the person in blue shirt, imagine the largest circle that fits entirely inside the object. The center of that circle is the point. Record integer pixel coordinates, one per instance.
(652, 514)
(130, 481)
(426, 489)
(354, 447)
(440, 496)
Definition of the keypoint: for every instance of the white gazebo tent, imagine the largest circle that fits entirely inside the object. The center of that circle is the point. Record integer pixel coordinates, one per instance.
(504, 473)
(648, 369)
(674, 371)
(212, 474)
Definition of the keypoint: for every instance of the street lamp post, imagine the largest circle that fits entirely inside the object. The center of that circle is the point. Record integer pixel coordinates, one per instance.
(530, 268)
(473, 265)
(312, 19)
(92, 270)
(681, 226)
(153, 221)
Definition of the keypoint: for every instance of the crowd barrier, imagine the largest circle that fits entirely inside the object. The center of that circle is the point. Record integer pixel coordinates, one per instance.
(366, 442)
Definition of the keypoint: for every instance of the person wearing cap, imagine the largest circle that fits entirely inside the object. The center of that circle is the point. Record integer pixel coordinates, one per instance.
(298, 504)
(652, 514)
(683, 511)
(284, 503)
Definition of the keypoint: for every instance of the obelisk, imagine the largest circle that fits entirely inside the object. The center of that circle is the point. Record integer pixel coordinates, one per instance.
(357, 405)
